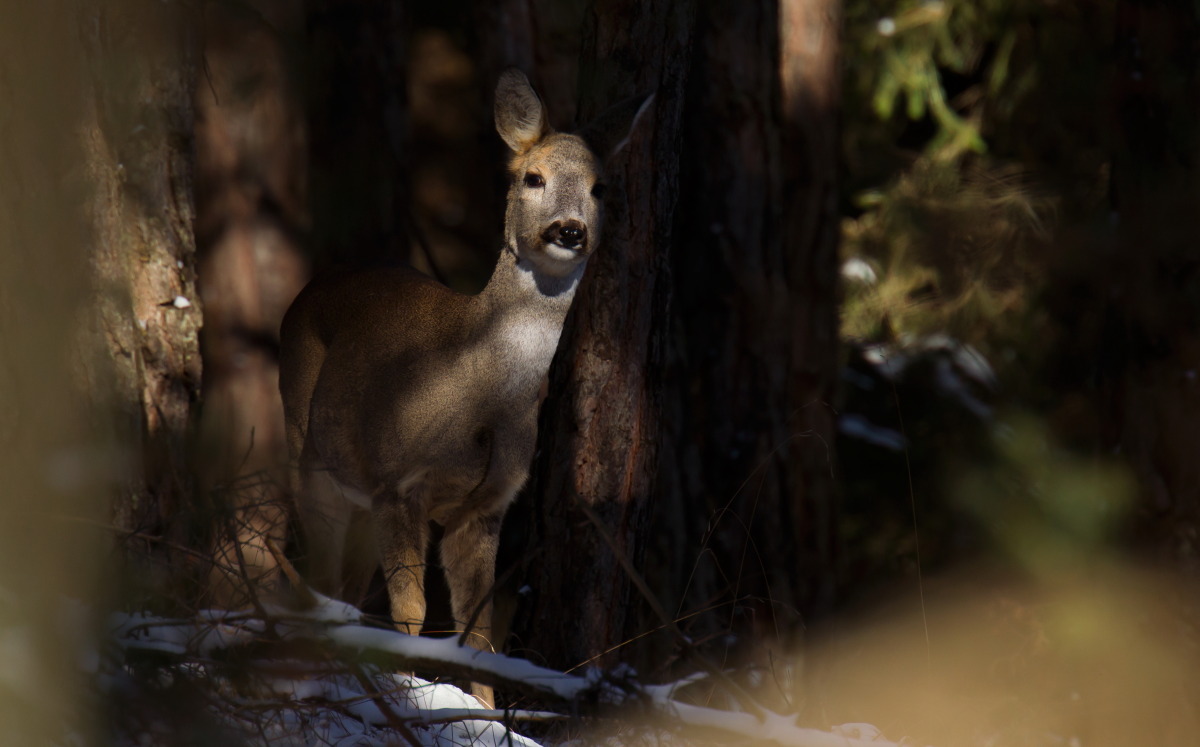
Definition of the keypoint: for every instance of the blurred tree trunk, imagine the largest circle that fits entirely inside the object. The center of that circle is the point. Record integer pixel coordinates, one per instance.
(541, 38)
(357, 119)
(746, 521)
(137, 132)
(600, 426)
(251, 217)
(810, 91)
(55, 467)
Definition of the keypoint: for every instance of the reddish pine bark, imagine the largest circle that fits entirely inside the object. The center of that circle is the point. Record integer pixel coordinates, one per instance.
(600, 426)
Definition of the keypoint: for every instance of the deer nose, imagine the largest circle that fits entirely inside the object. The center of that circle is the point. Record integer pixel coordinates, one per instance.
(567, 234)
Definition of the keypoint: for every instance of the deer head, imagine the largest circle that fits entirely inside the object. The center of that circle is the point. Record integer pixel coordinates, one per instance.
(555, 200)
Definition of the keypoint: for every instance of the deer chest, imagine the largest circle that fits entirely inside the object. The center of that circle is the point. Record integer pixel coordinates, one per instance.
(522, 350)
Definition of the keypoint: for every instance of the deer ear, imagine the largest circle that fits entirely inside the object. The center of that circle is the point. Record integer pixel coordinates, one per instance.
(520, 115)
(609, 132)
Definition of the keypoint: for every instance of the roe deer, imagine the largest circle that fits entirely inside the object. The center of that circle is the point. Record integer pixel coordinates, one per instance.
(418, 403)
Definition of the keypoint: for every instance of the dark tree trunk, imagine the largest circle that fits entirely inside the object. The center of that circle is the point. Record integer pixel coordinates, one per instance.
(746, 521)
(357, 118)
(541, 38)
(600, 425)
(252, 213)
(810, 70)
(137, 132)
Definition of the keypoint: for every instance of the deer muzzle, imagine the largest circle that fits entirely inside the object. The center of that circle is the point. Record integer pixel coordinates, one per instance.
(569, 234)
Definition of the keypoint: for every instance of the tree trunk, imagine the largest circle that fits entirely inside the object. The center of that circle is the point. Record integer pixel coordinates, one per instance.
(810, 57)
(600, 425)
(541, 38)
(137, 131)
(745, 526)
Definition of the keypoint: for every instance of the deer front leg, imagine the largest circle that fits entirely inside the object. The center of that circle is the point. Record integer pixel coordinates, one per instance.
(402, 532)
(469, 557)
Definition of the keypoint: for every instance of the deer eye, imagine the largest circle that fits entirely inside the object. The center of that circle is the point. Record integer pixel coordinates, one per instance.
(533, 181)
(598, 190)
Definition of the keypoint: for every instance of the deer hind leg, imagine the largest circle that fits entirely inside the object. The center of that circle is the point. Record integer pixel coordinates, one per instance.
(402, 533)
(360, 558)
(469, 557)
(325, 516)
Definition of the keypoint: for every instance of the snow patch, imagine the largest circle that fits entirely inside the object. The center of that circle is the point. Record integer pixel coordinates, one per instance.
(859, 271)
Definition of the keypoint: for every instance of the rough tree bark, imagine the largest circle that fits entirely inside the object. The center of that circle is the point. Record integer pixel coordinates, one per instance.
(745, 527)
(137, 131)
(600, 426)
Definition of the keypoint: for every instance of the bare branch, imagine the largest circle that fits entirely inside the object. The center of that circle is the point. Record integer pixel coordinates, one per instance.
(332, 627)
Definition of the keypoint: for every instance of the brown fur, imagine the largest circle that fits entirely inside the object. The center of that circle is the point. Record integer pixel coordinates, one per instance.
(421, 402)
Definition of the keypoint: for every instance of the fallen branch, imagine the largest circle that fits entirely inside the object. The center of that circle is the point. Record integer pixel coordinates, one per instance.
(332, 628)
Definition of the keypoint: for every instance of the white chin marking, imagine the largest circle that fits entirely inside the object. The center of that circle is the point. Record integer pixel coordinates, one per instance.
(560, 254)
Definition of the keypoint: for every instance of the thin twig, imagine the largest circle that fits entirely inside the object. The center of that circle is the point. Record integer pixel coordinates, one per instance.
(645, 633)
(384, 707)
(251, 587)
(640, 583)
(453, 715)
(912, 499)
(503, 579)
(302, 590)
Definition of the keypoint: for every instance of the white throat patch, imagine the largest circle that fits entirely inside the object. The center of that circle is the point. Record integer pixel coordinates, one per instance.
(530, 340)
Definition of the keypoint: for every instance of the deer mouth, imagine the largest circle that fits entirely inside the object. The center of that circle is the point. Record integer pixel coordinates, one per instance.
(568, 234)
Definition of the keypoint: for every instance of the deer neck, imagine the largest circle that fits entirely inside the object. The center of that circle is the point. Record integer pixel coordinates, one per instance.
(526, 309)
(517, 286)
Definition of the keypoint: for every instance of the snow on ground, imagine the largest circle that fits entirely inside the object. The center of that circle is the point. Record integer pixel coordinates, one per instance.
(304, 702)
(435, 713)
(323, 678)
